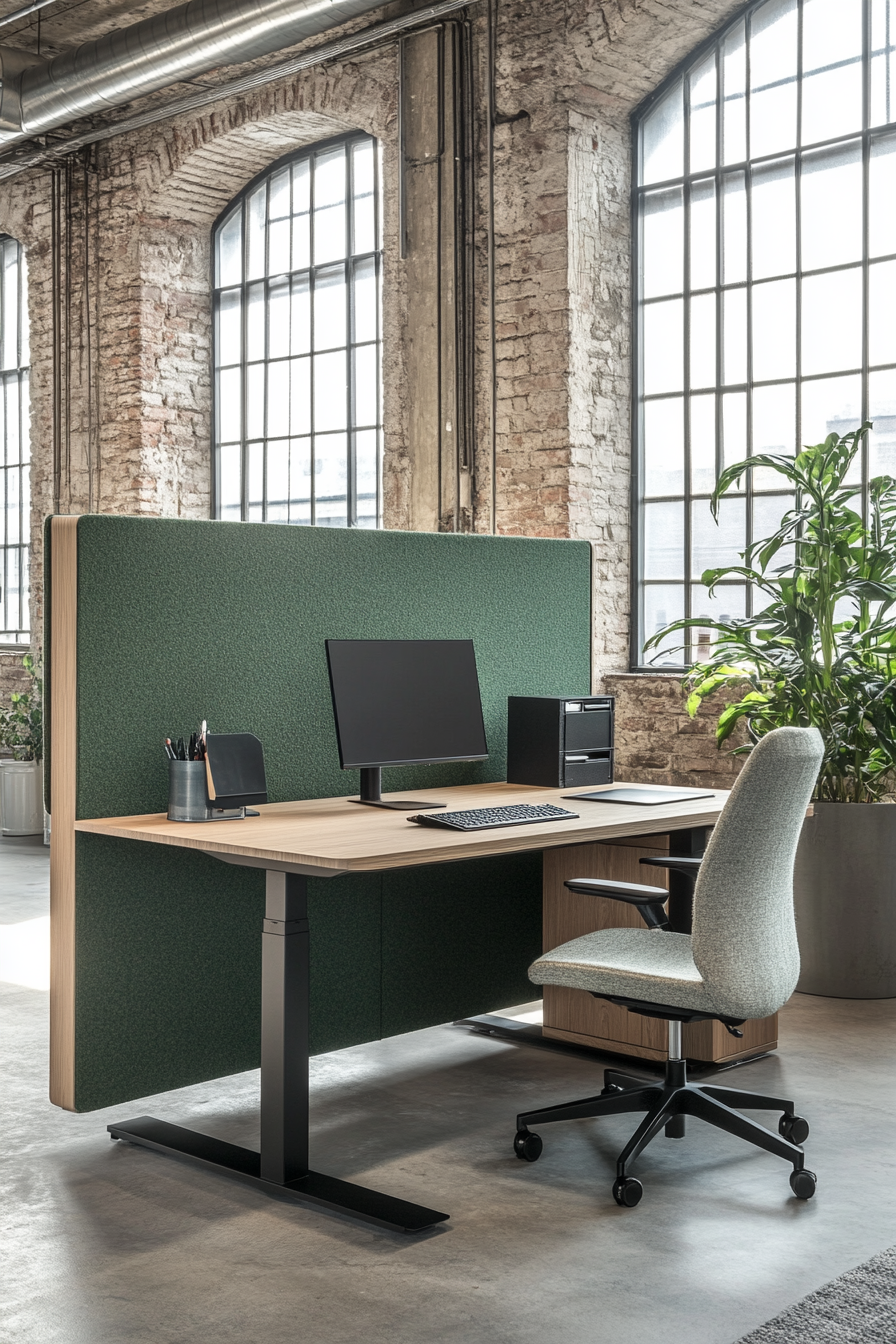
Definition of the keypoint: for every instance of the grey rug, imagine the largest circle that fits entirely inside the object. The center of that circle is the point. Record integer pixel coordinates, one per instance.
(857, 1308)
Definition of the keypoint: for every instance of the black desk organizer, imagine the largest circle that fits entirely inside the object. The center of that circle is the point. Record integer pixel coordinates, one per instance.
(560, 742)
(222, 787)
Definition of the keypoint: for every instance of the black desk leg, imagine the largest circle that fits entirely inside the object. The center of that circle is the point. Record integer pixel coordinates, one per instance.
(285, 1010)
(282, 1166)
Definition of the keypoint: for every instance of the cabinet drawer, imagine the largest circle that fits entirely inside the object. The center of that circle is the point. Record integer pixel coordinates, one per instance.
(596, 770)
(589, 730)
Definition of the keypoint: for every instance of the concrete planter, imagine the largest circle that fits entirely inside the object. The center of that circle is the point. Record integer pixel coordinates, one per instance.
(844, 888)
(21, 798)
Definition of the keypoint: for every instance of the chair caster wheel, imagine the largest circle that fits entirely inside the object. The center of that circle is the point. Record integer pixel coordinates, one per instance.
(627, 1192)
(793, 1128)
(527, 1146)
(802, 1183)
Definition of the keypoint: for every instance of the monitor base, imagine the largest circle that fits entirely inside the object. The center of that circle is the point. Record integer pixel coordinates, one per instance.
(371, 793)
(397, 804)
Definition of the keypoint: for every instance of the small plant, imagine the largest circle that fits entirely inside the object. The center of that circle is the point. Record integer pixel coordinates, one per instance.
(21, 723)
(820, 649)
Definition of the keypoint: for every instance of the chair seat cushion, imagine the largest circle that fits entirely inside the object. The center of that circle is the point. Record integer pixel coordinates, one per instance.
(649, 964)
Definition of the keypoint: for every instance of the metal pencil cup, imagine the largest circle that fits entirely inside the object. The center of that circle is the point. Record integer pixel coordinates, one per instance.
(187, 795)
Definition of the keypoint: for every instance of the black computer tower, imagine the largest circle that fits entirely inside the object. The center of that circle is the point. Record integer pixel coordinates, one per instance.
(560, 742)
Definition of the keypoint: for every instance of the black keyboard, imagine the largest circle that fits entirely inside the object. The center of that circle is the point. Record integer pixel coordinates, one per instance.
(485, 818)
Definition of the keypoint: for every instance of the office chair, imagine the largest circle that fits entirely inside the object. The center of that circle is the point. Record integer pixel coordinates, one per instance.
(740, 961)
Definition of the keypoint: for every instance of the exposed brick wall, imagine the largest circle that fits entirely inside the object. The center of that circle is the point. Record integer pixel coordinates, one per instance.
(600, 482)
(656, 741)
(135, 378)
(13, 676)
(532, 301)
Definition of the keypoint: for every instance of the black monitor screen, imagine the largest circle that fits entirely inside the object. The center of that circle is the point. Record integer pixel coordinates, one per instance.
(404, 701)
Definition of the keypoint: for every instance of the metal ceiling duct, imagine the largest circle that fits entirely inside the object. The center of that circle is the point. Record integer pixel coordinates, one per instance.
(39, 96)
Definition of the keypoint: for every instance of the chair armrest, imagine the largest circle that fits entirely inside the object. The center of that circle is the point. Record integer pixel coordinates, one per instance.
(690, 867)
(650, 900)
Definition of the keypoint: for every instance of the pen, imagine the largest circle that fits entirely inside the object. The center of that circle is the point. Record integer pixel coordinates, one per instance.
(181, 750)
(169, 750)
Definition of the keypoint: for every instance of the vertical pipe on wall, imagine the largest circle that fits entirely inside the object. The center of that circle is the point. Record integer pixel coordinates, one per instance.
(88, 333)
(466, 276)
(459, 281)
(74, 249)
(440, 295)
(402, 180)
(56, 310)
(97, 326)
(490, 246)
(68, 176)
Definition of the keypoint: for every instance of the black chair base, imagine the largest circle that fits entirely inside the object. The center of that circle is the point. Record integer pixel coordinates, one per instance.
(667, 1106)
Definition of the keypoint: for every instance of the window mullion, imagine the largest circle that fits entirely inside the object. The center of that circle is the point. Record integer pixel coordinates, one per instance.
(351, 501)
(866, 242)
(798, 224)
(748, 190)
(244, 367)
(686, 408)
(312, 356)
(14, 475)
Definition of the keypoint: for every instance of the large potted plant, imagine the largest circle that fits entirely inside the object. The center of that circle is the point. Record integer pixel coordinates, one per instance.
(821, 650)
(21, 779)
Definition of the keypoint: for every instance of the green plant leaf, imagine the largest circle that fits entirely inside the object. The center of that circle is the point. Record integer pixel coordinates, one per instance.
(822, 649)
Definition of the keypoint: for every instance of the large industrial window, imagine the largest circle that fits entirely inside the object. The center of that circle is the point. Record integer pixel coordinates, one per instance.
(297, 342)
(15, 495)
(765, 203)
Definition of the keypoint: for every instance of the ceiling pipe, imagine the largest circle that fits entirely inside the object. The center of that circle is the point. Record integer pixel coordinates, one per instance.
(25, 12)
(367, 39)
(42, 95)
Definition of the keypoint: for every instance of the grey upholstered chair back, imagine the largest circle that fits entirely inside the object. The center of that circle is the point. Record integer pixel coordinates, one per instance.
(744, 936)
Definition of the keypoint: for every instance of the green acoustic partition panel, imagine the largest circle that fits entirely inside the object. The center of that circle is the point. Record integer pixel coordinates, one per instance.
(179, 621)
(458, 939)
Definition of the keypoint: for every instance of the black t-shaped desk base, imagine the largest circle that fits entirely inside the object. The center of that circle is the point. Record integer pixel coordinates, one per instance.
(281, 1167)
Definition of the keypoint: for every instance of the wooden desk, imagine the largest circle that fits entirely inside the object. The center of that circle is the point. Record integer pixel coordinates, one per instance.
(325, 838)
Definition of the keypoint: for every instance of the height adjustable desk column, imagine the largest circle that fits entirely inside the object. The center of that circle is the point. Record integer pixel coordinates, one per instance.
(326, 838)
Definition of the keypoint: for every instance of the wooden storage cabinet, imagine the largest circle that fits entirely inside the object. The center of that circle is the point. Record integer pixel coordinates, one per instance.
(571, 1014)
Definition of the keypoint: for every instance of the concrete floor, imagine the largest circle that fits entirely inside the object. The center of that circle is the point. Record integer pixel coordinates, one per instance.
(104, 1243)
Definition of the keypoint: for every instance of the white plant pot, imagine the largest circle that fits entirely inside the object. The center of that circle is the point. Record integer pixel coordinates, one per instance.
(6, 760)
(21, 798)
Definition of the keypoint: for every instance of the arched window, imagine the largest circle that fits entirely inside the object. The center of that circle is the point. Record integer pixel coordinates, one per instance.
(297, 342)
(15, 455)
(765, 202)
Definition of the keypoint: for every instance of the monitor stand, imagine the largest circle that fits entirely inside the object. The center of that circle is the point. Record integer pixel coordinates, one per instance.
(371, 787)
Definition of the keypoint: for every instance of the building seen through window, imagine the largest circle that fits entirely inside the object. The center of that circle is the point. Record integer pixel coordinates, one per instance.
(15, 454)
(297, 342)
(766, 272)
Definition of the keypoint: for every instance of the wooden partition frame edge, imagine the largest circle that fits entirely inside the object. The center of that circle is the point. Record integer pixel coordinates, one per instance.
(63, 795)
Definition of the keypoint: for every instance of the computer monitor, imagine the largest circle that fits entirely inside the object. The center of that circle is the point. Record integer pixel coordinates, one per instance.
(404, 702)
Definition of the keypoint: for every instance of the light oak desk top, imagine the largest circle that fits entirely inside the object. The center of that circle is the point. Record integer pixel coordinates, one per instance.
(325, 837)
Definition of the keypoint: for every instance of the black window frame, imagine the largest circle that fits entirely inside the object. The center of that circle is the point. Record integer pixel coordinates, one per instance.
(16, 637)
(351, 260)
(864, 137)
